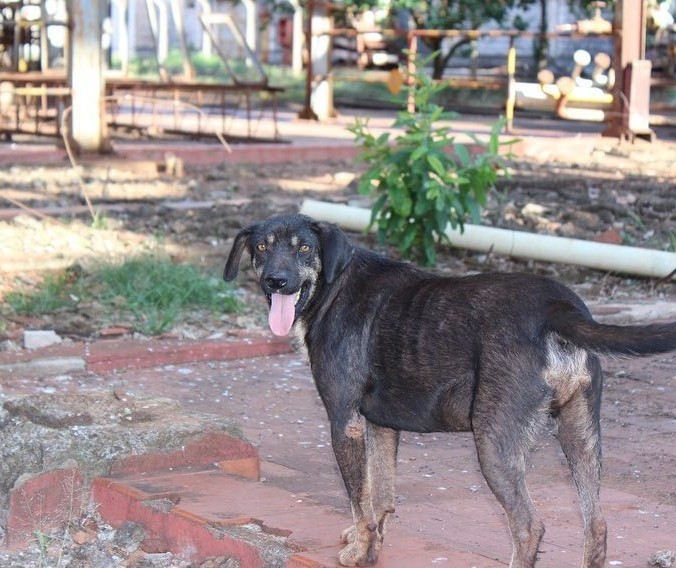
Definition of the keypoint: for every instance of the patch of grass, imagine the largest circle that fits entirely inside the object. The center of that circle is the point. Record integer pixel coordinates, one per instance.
(54, 294)
(99, 221)
(43, 541)
(157, 290)
(671, 242)
(154, 290)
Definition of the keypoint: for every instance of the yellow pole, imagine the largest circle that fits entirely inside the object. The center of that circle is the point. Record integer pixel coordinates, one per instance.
(511, 85)
(411, 68)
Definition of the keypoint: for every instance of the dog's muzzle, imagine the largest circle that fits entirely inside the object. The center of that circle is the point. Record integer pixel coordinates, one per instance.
(283, 293)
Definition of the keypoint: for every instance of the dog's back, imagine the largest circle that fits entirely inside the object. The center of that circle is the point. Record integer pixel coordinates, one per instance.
(431, 339)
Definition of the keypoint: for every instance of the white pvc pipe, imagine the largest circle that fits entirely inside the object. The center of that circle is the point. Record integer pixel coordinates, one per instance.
(602, 256)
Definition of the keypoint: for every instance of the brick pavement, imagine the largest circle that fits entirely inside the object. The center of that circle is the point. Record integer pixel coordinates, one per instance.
(445, 513)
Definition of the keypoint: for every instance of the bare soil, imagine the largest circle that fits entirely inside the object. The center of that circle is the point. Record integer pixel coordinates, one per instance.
(615, 193)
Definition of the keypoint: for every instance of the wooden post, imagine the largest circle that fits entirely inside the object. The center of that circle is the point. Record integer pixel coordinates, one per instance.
(297, 39)
(307, 113)
(251, 35)
(123, 35)
(85, 76)
(177, 16)
(322, 81)
(629, 47)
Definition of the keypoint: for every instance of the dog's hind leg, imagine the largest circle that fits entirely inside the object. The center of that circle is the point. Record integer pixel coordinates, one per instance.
(580, 438)
(381, 464)
(504, 426)
(366, 456)
(504, 467)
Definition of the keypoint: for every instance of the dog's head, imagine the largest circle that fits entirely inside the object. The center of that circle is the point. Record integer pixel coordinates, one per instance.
(291, 255)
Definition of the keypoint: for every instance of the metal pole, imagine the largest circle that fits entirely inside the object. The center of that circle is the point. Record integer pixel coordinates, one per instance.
(412, 41)
(511, 85)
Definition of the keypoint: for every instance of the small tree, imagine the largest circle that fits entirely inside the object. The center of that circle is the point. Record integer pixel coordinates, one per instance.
(424, 180)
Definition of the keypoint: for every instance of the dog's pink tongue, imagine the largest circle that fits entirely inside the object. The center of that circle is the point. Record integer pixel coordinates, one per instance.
(282, 313)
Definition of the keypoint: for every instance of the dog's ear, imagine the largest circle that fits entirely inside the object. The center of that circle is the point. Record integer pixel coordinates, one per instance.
(239, 244)
(336, 250)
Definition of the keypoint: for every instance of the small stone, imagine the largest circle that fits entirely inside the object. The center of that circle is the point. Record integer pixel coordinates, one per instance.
(8, 345)
(34, 339)
(663, 558)
(129, 536)
(220, 562)
(609, 236)
(114, 331)
(82, 537)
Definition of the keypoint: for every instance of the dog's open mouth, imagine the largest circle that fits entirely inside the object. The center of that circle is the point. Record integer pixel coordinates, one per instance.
(283, 311)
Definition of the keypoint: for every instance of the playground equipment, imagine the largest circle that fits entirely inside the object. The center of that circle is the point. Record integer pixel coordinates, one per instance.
(572, 97)
(38, 72)
(616, 91)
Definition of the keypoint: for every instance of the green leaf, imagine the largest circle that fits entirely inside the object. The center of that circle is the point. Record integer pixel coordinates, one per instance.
(434, 161)
(376, 208)
(428, 246)
(422, 207)
(494, 144)
(474, 212)
(418, 153)
(409, 237)
(463, 154)
(400, 200)
(384, 138)
(440, 204)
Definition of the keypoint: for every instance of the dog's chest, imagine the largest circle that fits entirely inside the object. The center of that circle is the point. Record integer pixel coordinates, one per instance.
(299, 331)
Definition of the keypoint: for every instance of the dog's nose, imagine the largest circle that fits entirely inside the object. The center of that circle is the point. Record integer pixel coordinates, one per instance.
(276, 281)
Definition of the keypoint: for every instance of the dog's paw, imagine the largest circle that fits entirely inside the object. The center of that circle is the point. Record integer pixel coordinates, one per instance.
(362, 548)
(358, 553)
(348, 535)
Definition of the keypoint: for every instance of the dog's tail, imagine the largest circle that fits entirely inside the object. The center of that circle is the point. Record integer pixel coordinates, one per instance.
(634, 340)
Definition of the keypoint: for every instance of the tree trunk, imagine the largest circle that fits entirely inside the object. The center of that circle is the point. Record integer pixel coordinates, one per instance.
(441, 60)
(541, 44)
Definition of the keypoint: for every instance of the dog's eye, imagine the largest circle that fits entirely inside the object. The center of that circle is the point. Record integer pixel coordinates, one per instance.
(304, 248)
(261, 247)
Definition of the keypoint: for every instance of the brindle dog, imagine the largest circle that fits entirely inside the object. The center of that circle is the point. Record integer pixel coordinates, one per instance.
(392, 348)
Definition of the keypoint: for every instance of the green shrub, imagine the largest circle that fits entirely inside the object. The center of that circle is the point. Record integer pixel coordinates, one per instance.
(424, 180)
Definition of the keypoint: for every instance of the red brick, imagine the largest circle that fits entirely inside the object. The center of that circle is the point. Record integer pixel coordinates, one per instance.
(179, 534)
(53, 351)
(212, 447)
(42, 503)
(105, 356)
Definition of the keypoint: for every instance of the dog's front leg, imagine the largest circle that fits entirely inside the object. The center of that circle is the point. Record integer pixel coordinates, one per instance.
(366, 455)
(349, 446)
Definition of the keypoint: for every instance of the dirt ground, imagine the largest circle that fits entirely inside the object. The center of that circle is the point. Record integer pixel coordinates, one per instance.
(624, 194)
(615, 193)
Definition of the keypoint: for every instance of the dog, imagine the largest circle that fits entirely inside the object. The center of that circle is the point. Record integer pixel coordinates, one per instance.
(393, 347)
